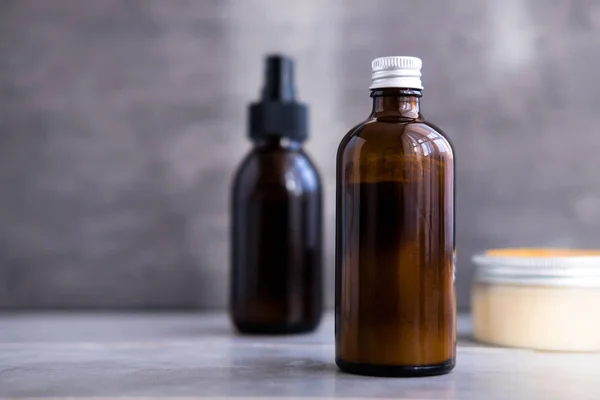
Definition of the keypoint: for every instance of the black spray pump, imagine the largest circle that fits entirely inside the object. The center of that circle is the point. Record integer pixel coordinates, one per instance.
(278, 113)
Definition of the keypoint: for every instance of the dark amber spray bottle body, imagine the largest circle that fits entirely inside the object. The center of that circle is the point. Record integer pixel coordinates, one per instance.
(395, 302)
(276, 217)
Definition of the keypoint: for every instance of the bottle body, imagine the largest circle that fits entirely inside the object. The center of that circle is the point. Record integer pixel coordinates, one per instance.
(276, 282)
(395, 296)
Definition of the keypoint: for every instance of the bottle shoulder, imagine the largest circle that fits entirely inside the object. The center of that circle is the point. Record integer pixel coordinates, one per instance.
(276, 173)
(414, 136)
(395, 151)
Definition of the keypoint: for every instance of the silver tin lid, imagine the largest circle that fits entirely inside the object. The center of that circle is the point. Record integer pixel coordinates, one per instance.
(538, 267)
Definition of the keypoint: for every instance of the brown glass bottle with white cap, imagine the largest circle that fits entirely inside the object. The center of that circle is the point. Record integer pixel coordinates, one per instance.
(395, 312)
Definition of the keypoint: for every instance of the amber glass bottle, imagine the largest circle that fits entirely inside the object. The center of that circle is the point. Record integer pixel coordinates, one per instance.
(276, 217)
(395, 308)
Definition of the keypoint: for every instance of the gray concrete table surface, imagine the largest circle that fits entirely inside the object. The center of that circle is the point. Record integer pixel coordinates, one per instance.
(181, 355)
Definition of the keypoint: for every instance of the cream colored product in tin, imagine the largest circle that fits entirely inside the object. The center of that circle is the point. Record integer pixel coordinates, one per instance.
(544, 299)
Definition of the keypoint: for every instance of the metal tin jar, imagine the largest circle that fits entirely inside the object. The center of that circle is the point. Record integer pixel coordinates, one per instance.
(544, 299)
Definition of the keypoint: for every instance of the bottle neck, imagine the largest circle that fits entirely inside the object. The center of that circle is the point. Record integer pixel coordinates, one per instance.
(396, 102)
(277, 143)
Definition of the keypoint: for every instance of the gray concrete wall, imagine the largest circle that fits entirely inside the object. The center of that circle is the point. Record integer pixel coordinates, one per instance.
(122, 121)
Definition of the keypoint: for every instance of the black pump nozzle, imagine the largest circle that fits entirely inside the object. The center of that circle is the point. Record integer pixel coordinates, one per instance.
(279, 79)
(278, 114)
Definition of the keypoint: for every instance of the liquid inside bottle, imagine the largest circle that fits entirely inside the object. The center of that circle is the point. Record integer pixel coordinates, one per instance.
(395, 296)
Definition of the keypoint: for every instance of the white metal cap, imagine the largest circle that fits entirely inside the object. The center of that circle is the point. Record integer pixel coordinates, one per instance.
(396, 72)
